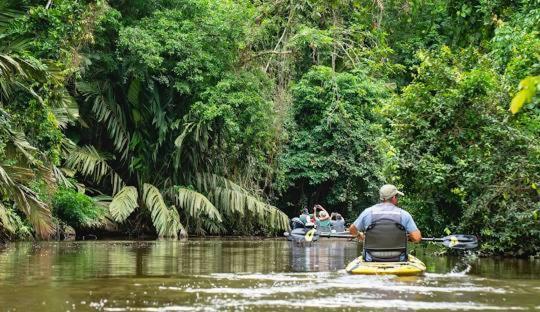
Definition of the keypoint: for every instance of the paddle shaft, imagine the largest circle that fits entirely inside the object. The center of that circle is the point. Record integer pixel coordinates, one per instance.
(433, 239)
(330, 235)
(428, 239)
(458, 241)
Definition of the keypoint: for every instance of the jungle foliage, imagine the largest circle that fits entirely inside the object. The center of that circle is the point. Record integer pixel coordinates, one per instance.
(202, 116)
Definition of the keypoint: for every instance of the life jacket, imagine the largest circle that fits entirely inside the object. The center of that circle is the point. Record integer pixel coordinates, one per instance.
(385, 238)
(324, 225)
(338, 225)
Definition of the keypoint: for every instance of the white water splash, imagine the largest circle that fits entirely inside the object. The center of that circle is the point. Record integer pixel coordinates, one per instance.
(456, 271)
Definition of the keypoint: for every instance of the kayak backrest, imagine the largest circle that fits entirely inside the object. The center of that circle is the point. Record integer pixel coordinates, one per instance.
(385, 241)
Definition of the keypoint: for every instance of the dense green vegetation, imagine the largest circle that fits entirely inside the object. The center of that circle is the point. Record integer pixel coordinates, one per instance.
(203, 116)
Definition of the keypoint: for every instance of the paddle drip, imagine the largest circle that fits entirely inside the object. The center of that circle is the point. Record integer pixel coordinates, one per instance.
(463, 266)
(461, 269)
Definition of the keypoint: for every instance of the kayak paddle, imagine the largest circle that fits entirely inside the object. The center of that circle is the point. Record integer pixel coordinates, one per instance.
(336, 235)
(309, 235)
(456, 241)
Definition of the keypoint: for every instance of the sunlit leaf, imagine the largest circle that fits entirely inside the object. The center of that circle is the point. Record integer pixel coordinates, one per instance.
(124, 203)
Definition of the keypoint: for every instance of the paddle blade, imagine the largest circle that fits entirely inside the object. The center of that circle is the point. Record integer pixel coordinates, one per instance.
(309, 235)
(459, 241)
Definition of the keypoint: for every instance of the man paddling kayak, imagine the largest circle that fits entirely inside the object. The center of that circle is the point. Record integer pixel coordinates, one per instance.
(386, 228)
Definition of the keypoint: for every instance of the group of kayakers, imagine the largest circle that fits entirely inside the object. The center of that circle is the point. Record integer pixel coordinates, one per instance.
(385, 228)
(323, 221)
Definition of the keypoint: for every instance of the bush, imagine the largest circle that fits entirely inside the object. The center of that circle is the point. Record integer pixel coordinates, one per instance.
(335, 151)
(76, 209)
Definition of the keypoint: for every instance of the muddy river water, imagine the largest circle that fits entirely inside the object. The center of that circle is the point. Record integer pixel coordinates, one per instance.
(250, 275)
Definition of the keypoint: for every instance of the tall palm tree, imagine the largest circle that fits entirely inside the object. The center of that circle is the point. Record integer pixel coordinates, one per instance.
(18, 167)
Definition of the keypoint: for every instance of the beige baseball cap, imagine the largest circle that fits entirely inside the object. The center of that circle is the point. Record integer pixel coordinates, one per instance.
(388, 191)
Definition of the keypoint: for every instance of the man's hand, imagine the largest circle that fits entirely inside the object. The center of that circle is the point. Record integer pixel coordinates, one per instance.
(415, 236)
(354, 232)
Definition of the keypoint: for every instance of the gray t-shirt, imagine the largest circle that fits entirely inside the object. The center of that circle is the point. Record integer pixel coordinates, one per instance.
(364, 220)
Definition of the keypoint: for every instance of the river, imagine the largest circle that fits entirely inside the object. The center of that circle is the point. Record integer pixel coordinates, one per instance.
(249, 275)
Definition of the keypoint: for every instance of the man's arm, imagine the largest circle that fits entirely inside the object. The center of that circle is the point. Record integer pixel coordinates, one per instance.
(317, 206)
(358, 226)
(412, 230)
(354, 232)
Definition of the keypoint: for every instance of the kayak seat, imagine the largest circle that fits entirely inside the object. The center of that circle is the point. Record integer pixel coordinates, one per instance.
(385, 241)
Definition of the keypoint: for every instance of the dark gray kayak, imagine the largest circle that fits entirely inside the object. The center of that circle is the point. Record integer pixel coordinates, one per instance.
(310, 235)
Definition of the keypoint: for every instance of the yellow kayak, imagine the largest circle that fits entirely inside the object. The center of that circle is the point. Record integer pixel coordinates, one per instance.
(412, 267)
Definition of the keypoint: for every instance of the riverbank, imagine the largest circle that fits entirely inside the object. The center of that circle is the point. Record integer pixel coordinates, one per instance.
(435, 249)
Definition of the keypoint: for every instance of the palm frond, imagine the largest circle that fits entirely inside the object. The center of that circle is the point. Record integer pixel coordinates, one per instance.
(206, 182)
(60, 177)
(89, 162)
(64, 108)
(123, 203)
(231, 201)
(166, 220)
(93, 164)
(173, 225)
(8, 13)
(14, 70)
(23, 147)
(116, 182)
(102, 200)
(200, 209)
(191, 155)
(109, 112)
(17, 139)
(36, 211)
(5, 221)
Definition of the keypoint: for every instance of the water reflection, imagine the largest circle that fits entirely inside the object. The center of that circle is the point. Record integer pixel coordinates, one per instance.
(251, 275)
(323, 256)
